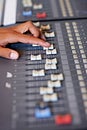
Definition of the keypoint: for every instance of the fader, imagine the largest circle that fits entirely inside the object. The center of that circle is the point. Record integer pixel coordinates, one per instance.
(47, 88)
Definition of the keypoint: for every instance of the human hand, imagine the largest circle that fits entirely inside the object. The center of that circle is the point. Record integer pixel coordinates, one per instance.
(16, 34)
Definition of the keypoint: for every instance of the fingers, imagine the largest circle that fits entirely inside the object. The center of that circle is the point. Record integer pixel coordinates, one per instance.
(27, 26)
(12, 37)
(8, 53)
(33, 29)
(16, 34)
(32, 40)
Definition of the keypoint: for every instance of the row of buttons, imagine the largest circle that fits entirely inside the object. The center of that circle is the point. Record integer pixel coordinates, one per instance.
(66, 6)
(43, 109)
(76, 59)
(28, 8)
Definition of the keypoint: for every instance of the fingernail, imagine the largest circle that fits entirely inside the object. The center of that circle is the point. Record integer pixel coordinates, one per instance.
(13, 56)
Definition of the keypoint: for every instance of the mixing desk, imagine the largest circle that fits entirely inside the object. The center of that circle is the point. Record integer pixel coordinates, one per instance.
(47, 88)
(21, 10)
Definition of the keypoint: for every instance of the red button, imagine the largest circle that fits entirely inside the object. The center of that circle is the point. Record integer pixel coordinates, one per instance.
(41, 15)
(63, 119)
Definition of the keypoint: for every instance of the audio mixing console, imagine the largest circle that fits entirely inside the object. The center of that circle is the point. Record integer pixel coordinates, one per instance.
(47, 88)
(12, 11)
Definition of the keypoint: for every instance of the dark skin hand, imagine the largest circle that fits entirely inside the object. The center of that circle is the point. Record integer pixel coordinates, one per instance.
(16, 34)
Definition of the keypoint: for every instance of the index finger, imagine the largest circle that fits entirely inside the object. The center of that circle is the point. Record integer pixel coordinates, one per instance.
(27, 26)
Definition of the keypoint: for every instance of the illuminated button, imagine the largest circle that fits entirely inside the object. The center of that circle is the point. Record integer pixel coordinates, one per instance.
(37, 6)
(36, 73)
(85, 66)
(46, 90)
(53, 66)
(46, 98)
(75, 27)
(57, 77)
(51, 61)
(69, 35)
(68, 27)
(60, 77)
(73, 47)
(48, 61)
(50, 34)
(42, 110)
(33, 57)
(78, 38)
(27, 12)
(9, 75)
(79, 42)
(77, 34)
(70, 39)
(84, 60)
(86, 71)
(45, 27)
(84, 96)
(50, 66)
(37, 57)
(71, 43)
(78, 67)
(27, 3)
(82, 51)
(76, 61)
(54, 84)
(63, 119)
(76, 31)
(85, 104)
(67, 24)
(54, 97)
(54, 61)
(35, 45)
(75, 56)
(83, 90)
(73, 51)
(41, 15)
(83, 56)
(74, 23)
(82, 83)
(54, 77)
(69, 31)
(8, 85)
(86, 110)
(47, 66)
(48, 52)
(80, 77)
(79, 72)
(80, 47)
(37, 24)
(45, 48)
(50, 97)
(54, 51)
(50, 48)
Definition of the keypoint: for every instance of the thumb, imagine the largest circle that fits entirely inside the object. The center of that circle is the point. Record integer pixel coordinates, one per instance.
(8, 53)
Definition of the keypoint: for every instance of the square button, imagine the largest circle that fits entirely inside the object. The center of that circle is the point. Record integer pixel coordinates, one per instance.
(82, 83)
(85, 104)
(84, 96)
(79, 72)
(80, 78)
(78, 67)
(76, 61)
(83, 90)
